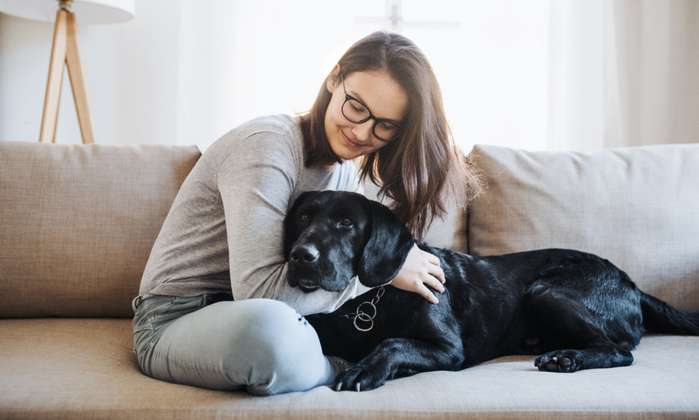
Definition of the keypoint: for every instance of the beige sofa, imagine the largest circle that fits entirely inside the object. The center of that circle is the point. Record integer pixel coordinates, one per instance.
(77, 223)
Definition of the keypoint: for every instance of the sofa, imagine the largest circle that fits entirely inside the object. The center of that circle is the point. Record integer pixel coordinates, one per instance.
(77, 223)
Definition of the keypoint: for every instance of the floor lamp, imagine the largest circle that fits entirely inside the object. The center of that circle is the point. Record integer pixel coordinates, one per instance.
(64, 51)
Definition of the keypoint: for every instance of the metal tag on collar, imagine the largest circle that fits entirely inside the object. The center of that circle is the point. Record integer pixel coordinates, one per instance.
(367, 318)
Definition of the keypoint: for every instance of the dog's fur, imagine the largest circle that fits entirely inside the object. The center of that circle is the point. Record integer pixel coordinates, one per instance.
(577, 310)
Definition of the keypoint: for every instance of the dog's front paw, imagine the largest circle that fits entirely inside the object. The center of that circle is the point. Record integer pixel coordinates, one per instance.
(360, 378)
(560, 361)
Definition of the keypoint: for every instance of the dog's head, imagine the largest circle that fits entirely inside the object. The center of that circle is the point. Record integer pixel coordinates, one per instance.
(331, 236)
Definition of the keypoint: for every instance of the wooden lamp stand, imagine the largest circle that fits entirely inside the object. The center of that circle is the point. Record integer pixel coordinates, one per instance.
(64, 51)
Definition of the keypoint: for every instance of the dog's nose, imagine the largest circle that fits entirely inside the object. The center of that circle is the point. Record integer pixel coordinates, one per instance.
(307, 254)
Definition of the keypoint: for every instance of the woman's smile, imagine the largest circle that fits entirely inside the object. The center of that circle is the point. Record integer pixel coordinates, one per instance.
(350, 142)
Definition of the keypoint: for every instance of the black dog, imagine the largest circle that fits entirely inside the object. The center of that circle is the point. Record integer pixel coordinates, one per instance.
(577, 309)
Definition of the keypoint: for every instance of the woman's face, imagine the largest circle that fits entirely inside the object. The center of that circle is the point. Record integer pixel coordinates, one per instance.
(379, 94)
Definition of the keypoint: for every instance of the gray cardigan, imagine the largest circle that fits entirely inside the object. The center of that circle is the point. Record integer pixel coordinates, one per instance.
(224, 230)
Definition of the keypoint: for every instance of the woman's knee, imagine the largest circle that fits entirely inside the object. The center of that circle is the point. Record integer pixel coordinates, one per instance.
(280, 348)
(274, 328)
(266, 312)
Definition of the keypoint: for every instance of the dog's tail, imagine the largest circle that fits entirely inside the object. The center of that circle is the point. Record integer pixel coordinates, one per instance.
(659, 317)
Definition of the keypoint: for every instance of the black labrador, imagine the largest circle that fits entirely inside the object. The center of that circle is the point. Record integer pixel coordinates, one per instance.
(576, 310)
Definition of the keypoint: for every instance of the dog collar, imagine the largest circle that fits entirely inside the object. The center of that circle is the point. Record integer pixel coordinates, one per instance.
(364, 321)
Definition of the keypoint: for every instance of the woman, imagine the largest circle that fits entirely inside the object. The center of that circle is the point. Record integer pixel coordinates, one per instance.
(214, 308)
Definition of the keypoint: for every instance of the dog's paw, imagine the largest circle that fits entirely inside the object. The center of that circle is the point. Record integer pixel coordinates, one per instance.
(560, 361)
(360, 378)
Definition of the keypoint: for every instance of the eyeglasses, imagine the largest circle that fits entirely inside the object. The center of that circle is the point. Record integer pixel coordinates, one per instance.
(384, 129)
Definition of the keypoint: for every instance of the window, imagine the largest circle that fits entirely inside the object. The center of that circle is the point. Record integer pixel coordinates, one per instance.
(490, 59)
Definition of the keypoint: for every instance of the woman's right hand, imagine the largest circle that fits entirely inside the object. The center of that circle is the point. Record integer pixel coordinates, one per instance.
(420, 269)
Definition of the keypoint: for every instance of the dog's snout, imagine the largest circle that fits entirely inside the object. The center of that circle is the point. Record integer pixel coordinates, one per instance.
(305, 254)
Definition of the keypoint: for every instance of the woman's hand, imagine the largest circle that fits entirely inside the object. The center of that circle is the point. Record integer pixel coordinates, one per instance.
(420, 269)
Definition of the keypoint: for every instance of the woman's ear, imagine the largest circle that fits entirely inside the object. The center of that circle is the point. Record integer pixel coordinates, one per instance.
(387, 247)
(331, 80)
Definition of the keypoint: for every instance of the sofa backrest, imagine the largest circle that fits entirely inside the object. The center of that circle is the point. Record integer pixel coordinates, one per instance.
(77, 223)
(637, 207)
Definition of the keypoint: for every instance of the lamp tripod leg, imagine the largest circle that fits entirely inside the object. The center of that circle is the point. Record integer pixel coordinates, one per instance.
(64, 53)
(78, 83)
(52, 96)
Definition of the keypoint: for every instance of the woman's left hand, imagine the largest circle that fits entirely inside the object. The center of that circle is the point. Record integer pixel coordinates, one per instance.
(420, 269)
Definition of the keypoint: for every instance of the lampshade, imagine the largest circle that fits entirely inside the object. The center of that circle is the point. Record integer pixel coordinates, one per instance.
(88, 11)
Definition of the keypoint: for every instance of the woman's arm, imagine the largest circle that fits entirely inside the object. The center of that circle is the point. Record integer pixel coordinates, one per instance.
(256, 184)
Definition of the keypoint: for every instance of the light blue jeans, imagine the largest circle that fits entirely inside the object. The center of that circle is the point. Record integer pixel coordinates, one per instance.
(262, 346)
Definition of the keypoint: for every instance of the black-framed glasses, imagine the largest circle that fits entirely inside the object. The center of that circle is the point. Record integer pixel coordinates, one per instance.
(355, 111)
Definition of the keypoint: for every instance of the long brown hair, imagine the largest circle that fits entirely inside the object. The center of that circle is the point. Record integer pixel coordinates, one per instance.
(423, 167)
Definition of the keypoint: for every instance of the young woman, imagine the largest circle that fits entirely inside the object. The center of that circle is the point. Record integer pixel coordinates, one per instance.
(214, 308)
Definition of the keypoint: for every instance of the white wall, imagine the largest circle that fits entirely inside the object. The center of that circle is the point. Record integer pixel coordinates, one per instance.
(130, 72)
(185, 72)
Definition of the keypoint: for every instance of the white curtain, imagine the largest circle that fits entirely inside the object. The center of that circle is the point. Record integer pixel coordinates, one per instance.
(623, 73)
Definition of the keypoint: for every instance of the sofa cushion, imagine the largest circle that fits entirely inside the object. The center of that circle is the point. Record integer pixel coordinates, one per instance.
(637, 207)
(78, 223)
(70, 368)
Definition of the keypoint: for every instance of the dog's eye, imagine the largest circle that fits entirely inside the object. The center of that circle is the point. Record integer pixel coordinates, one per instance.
(345, 223)
(304, 218)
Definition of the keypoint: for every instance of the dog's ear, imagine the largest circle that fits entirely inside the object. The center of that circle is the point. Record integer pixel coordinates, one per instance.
(387, 247)
(291, 233)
